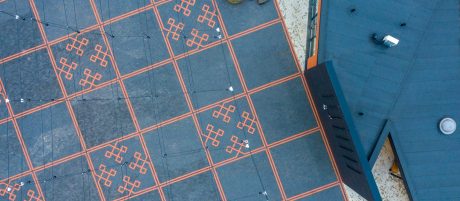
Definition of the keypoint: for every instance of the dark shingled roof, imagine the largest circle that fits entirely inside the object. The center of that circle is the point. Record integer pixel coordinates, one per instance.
(414, 84)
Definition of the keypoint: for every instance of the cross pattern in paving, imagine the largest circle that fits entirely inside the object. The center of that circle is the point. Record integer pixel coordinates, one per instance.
(187, 97)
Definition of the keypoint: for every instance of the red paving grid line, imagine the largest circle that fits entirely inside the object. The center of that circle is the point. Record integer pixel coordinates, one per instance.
(274, 144)
(64, 93)
(21, 140)
(145, 130)
(156, 126)
(47, 165)
(227, 39)
(310, 98)
(190, 105)
(144, 69)
(22, 53)
(127, 100)
(251, 104)
(314, 191)
(32, 110)
(228, 161)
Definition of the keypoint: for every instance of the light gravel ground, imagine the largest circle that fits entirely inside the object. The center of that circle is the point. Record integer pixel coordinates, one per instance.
(295, 15)
(391, 188)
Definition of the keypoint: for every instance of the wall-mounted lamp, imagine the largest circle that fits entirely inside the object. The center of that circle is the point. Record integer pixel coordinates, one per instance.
(390, 41)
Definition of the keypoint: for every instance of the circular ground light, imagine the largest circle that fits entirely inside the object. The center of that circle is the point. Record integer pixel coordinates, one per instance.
(447, 126)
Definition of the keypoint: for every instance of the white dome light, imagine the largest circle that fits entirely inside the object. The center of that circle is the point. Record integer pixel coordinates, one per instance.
(447, 126)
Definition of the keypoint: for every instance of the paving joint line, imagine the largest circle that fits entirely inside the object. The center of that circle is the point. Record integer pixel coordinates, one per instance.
(190, 105)
(126, 96)
(251, 105)
(311, 101)
(314, 191)
(68, 104)
(21, 141)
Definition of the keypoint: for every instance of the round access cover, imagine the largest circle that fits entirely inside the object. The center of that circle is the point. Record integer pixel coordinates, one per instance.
(447, 126)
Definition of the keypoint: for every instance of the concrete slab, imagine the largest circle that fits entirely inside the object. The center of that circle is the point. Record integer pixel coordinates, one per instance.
(284, 110)
(102, 115)
(51, 139)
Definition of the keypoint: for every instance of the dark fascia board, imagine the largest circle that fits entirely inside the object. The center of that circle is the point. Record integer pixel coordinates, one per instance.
(353, 132)
(379, 144)
(396, 146)
(388, 132)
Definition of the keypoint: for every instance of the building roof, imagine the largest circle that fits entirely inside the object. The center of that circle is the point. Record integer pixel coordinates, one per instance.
(414, 84)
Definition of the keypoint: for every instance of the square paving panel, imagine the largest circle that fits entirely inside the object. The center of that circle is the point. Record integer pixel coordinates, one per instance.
(264, 56)
(190, 24)
(176, 149)
(22, 188)
(30, 81)
(83, 61)
(229, 130)
(303, 164)
(103, 115)
(70, 180)
(12, 160)
(122, 168)
(236, 17)
(197, 188)
(209, 74)
(49, 134)
(20, 34)
(156, 95)
(284, 110)
(64, 17)
(248, 179)
(112, 8)
(136, 42)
